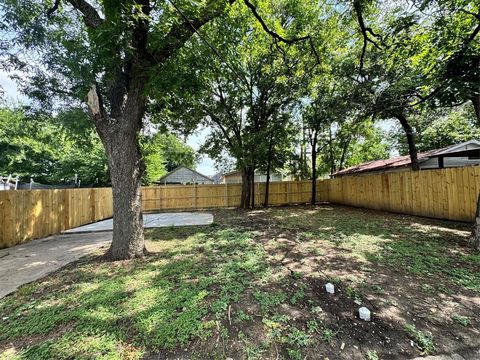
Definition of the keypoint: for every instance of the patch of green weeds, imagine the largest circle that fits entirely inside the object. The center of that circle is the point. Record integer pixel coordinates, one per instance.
(299, 294)
(424, 340)
(372, 355)
(328, 334)
(253, 352)
(297, 275)
(294, 354)
(335, 280)
(445, 289)
(243, 316)
(469, 279)
(377, 289)
(429, 289)
(462, 320)
(389, 302)
(313, 326)
(354, 294)
(280, 318)
(269, 300)
(305, 236)
(298, 338)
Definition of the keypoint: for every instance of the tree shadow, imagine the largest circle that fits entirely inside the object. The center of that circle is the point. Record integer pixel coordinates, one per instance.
(253, 283)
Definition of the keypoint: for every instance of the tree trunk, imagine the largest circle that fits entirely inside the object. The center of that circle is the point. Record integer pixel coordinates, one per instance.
(126, 169)
(269, 166)
(252, 186)
(475, 241)
(344, 155)
(314, 169)
(476, 105)
(267, 184)
(119, 135)
(330, 146)
(412, 148)
(246, 188)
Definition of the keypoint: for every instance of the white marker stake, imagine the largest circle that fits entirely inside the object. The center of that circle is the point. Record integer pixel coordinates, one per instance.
(330, 288)
(364, 313)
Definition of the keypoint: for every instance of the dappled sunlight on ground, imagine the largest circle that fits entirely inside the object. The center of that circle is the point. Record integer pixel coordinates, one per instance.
(251, 286)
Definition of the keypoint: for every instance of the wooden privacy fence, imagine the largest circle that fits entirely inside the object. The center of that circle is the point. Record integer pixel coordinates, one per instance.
(222, 195)
(441, 193)
(32, 214)
(445, 194)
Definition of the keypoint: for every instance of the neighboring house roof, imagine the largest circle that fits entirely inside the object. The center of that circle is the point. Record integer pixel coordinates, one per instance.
(403, 161)
(236, 172)
(195, 175)
(217, 178)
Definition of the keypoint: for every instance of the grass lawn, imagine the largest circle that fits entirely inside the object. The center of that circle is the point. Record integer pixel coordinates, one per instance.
(251, 286)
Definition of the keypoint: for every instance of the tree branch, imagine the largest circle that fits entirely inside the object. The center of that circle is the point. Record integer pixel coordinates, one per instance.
(365, 31)
(277, 37)
(180, 32)
(53, 8)
(90, 15)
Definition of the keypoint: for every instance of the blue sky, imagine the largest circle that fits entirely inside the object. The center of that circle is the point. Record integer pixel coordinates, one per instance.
(206, 165)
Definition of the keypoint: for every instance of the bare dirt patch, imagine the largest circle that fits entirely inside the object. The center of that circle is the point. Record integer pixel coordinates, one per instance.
(251, 286)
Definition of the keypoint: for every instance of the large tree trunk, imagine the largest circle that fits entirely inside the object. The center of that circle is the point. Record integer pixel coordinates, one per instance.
(476, 228)
(476, 106)
(314, 168)
(344, 155)
(126, 169)
(330, 147)
(119, 134)
(412, 148)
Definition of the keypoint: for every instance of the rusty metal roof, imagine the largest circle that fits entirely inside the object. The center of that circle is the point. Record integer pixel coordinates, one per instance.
(403, 161)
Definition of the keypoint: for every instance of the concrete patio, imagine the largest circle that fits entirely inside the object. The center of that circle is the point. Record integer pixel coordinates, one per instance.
(152, 221)
(27, 262)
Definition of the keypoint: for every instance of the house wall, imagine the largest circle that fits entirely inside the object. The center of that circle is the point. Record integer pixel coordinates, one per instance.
(432, 163)
(449, 162)
(184, 175)
(236, 178)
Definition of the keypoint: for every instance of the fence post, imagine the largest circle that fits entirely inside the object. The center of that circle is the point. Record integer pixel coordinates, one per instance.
(93, 216)
(164, 202)
(226, 194)
(288, 192)
(194, 195)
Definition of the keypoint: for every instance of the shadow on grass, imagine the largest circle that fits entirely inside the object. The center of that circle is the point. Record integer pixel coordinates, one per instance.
(248, 286)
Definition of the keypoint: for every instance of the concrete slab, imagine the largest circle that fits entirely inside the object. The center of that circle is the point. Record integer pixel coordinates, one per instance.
(24, 263)
(152, 221)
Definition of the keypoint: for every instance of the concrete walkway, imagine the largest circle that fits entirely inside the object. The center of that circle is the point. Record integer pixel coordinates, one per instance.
(152, 221)
(24, 263)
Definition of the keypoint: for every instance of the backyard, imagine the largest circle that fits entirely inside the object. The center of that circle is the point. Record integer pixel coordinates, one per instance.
(251, 286)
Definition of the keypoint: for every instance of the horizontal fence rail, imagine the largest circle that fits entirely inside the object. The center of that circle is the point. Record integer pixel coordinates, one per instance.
(443, 193)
